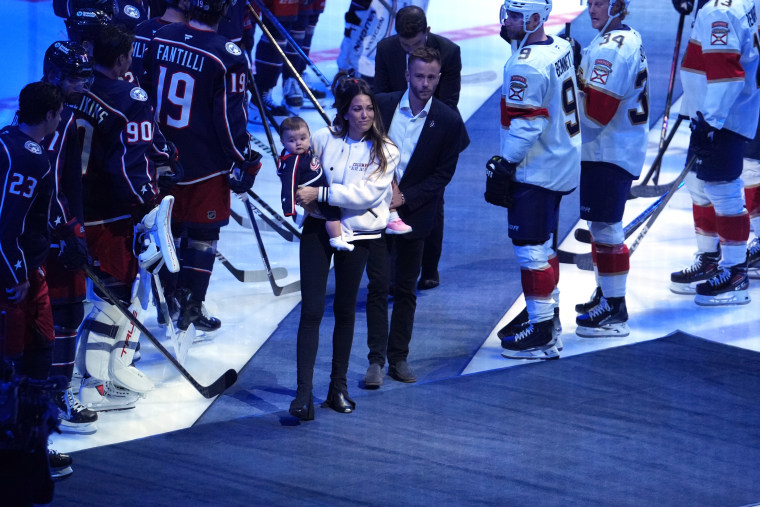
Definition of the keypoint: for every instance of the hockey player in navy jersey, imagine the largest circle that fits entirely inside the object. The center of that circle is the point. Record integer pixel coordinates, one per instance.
(117, 126)
(721, 96)
(541, 148)
(200, 83)
(27, 188)
(176, 12)
(67, 66)
(614, 111)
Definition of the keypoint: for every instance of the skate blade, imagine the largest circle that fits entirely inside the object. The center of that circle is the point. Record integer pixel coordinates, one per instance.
(78, 429)
(610, 331)
(684, 289)
(542, 353)
(733, 298)
(753, 273)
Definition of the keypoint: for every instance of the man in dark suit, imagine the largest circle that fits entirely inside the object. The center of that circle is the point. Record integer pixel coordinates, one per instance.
(390, 67)
(430, 136)
(412, 32)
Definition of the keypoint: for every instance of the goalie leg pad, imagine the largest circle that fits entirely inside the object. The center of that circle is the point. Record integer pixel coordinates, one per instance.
(120, 366)
(154, 235)
(101, 327)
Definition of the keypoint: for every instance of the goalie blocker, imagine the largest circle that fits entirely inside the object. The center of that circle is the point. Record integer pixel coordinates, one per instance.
(499, 177)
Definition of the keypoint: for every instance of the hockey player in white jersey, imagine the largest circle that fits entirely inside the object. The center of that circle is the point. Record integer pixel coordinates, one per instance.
(613, 89)
(541, 147)
(721, 96)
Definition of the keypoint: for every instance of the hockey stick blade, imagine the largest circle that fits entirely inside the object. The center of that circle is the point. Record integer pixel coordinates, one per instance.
(584, 261)
(250, 275)
(583, 235)
(277, 290)
(216, 388)
(566, 257)
(652, 190)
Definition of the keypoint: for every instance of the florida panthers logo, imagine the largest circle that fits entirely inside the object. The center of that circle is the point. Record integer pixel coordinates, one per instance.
(601, 71)
(719, 36)
(517, 87)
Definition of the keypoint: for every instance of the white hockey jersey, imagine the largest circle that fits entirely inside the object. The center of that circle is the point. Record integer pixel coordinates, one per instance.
(719, 71)
(614, 100)
(540, 125)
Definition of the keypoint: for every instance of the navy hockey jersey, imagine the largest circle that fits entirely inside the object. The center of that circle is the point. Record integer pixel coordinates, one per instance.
(26, 181)
(115, 121)
(200, 81)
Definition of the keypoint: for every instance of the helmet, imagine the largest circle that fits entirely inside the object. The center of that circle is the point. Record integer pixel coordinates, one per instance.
(66, 59)
(527, 8)
(65, 8)
(210, 6)
(626, 3)
(85, 24)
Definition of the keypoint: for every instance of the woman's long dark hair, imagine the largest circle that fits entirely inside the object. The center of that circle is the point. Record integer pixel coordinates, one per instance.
(345, 88)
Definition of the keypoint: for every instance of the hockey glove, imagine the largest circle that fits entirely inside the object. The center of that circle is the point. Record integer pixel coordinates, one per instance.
(73, 253)
(684, 6)
(243, 175)
(168, 168)
(702, 136)
(499, 175)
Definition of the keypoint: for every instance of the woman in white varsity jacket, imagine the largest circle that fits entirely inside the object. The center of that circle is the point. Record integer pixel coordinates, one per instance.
(359, 162)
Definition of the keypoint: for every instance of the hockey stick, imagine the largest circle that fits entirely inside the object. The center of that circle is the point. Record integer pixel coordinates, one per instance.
(248, 275)
(671, 85)
(273, 19)
(655, 190)
(216, 388)
(282, 221)
(584, 235)
(585, 261)
(286, 234)
(638, 190)
(298, 77)
(256, 95)
(276, 289)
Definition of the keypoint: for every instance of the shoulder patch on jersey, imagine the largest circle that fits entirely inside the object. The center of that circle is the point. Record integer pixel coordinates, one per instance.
(138, 93)
(719, 35)
(33, 147)
(314, 164)
(601, 71)
(132, 11)
(517, 86)
(233, 48)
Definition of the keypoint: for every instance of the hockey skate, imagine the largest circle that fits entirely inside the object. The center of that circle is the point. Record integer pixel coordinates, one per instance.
(522, 320)
(75, 418)
(705, 266)
(271, 107)
(291, 90)
(730, 286)
(608, 319)
(60, 465)
(534, 341)
(102, 396)
(586, 307)
(753, 259)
